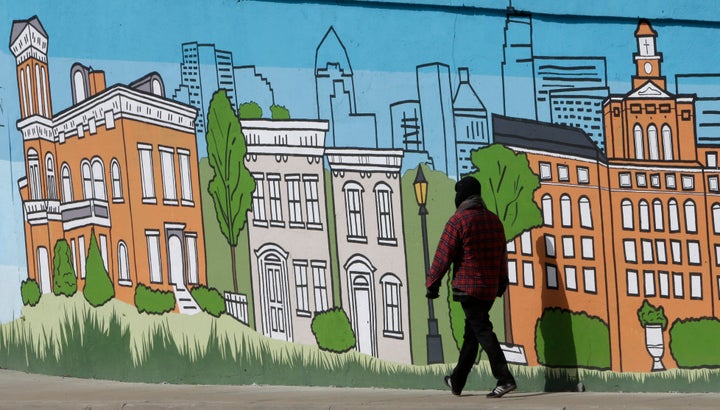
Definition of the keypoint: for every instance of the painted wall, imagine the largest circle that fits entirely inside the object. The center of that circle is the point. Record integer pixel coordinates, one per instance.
(233, 193)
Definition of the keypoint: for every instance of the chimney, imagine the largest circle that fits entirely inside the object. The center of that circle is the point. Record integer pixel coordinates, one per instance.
(97, 81)
(464, 74)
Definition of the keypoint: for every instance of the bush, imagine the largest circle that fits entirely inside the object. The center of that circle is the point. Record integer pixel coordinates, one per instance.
(279, 112)
(30, 292)
(153, 301)
(249, 110)
(209, 300)
(333, 331)
(569, 339)
(693, 342)
(648, 314)
(64, 279)
(98, 288)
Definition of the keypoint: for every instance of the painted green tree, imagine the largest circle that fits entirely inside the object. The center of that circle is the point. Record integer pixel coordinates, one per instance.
(98, 288)
(279, 112)
(232, 185)
(250, 111)
(333, 331)
(508, 185)
(64, 279)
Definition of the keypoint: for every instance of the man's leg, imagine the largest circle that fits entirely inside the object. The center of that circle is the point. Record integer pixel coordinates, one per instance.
(478, 316)
(468, 354)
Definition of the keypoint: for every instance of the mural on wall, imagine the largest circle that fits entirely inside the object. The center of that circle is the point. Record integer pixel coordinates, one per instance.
(276, 206)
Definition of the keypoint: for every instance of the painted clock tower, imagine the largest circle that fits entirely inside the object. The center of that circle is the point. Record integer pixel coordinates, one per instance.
(647, 59)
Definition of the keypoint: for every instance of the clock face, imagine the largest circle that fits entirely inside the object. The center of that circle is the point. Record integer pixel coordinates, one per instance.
(648, 68)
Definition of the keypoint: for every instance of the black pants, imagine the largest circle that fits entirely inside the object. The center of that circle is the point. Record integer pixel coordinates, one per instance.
(479, 332)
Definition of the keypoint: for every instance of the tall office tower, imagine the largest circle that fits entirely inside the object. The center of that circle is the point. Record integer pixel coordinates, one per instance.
(471, 122)
(580, 108)
(204, 70)
(436, 113)
(253, 86)
(517, 67)
(565, 73)
(405, 125)
(707, 104)
(332, 65)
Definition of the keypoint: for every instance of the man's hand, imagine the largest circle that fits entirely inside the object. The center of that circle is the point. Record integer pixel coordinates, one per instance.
(432, 293)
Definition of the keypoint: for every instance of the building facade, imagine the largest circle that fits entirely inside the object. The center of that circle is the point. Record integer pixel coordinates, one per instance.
(120, 163)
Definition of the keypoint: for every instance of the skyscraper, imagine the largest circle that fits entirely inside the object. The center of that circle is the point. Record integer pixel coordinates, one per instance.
(436, 111)
(517, 67)
(471, 122)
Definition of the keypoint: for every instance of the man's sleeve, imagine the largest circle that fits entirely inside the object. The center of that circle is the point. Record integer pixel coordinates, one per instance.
(444, 255)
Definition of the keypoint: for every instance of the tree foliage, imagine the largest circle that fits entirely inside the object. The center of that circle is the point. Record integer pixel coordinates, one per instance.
(249, 110)
(508, 185)
(279, 112)
(98, 288)
(30, 292)
(232, 184)
(333, 331)
(64, 279)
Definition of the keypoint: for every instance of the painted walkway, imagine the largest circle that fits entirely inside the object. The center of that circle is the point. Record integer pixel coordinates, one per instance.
(22, 390)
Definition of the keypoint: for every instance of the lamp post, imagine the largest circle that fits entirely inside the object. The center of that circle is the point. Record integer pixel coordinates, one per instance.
(434, 342)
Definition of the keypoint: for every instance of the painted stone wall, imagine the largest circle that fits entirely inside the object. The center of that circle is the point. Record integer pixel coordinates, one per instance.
(251, 192)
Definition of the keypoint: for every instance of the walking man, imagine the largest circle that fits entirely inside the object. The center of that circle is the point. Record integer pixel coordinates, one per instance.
(473, 241)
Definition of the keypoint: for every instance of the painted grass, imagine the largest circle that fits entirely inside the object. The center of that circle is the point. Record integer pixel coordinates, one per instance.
(66, 337)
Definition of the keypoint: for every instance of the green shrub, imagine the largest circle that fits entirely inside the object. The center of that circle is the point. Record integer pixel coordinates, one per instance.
(651, 315)
(98, 288)
(569, 339)
(693, 342)
(279, 112)
(249, 110)
(30, 292)
(209, 300)
(153, 301)
(64, 279)
(332, 331)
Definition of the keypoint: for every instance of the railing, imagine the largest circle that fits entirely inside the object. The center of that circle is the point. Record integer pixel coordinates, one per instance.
(236, 306)
(88, 211)
(40, 211)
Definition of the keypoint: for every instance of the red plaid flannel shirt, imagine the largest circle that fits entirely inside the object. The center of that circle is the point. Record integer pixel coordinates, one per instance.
(474, 243)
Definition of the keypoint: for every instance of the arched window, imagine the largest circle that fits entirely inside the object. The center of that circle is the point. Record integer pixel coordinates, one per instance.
(547, 210)
(87, 180)
(653, 145)
(716, 218)
(639, 146)
(690, 217)
(29, 91)
(98, 176)
(116, 181)
(565, 211)
(627, 214)
(41, 108)
(79, 85)
(667, 142)
(33, 161)
(24, 97)
(658, 215)
(354, 208)
(156, 87)
(67, 194)
(50, 176)
(45, 92)
(644, 215)
(585, 213)
(123, 262)
(385, 217)
(392, 303)
(673, 216)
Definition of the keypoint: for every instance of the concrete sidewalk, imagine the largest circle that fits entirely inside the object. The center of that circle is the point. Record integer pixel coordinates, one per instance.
(30, 391)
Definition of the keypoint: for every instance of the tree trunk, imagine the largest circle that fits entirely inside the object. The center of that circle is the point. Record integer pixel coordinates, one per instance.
(233, 267)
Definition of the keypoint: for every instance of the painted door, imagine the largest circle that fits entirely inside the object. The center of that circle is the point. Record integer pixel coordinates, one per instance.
(363, 314)
(276, 308)
(177, 265)
(43, 265)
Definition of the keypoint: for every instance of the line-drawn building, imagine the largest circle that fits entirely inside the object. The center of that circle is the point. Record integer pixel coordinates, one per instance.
(639, 223)
(120, 161)
(471, 123)
(371, 249)
(706, 88)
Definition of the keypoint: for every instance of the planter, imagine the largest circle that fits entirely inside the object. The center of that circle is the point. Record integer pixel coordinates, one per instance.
(655, 345)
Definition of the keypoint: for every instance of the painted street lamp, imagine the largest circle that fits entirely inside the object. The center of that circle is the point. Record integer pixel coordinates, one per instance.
(434, 342)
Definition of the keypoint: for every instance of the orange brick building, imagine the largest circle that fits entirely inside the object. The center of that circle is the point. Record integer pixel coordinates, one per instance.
(121, 161)
(640, 223)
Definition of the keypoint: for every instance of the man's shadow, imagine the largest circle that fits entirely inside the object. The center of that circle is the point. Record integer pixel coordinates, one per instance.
(558, 352)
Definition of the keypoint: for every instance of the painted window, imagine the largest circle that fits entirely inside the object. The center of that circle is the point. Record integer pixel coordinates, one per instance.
(383, 203)
(688, 182)
(167, 164)
(550, 251)
(589, 277)
(585, 213)
(716, 218)
(393, 309)
(294, 201)
(23, 87)
(547, 210)
(695, 286)
(568, 246)
(664, 284)
(123, 263)
(116, 181)
(79, 85)
(512, 271)
(630, 252)
(301, 288)
(658, 215)
(711, 159)
(526, 243)
(153, 245)
(633, 288)
(50, 176)
(661, 250)
(670, 181)
(627, 214)
(146, 173)
(192, 257)
(104, 250)
(639, 146)
(312, 201)
(583, 175)
(67, 193)
(653, 145)
(676, 249)
(693, 248)
(551, 276)
(588, 247)
(565, 211)
(673, 216)
(563, 172)
(649, 283)
(528, 275)
(276, 215)
(355, 216)
(667, 142)
(186, 189)
(570, 278)
(320, 285)
(545, 171)
(258, 200)
(713, 183)
(641, 179)
(678, 285)
(647, 250)
(83, 250)
(34, 174)
(690, 217)
(98, 180)
(625, 180)
(644, 211)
